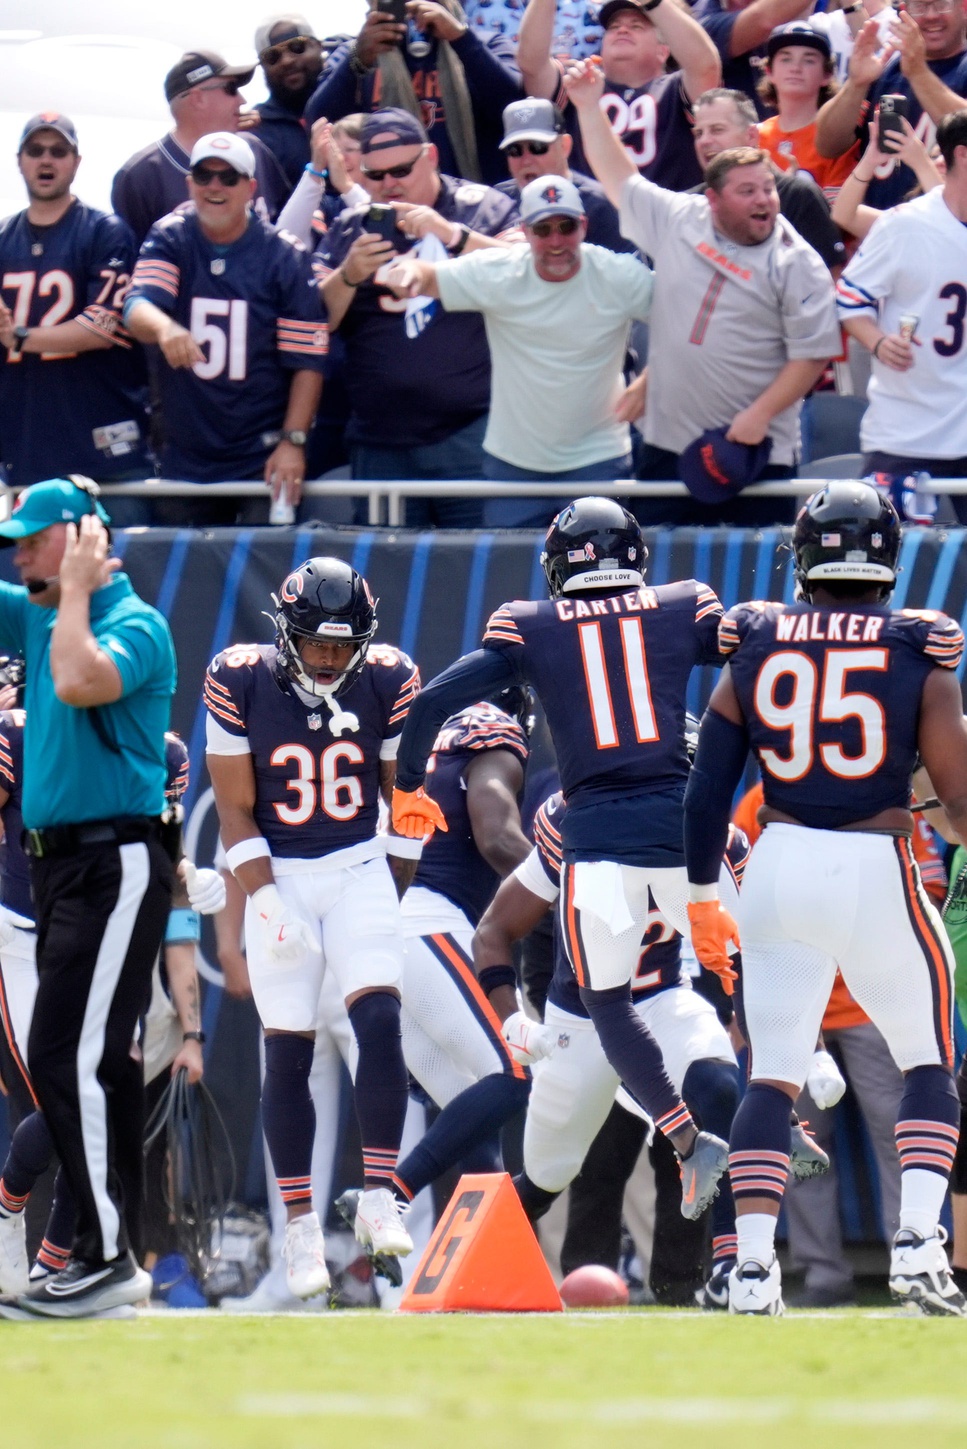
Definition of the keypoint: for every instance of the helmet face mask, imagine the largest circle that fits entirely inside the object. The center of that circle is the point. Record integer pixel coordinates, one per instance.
(323, 601)
(593, 543)
(847, 533)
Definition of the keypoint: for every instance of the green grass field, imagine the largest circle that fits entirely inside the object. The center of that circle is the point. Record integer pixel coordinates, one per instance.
(642, 1378)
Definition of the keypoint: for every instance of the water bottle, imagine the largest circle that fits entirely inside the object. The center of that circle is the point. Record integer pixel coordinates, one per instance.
(281, 511)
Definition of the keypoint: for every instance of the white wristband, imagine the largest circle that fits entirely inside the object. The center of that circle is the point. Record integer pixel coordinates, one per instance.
(255, 848)
(406, 849)
(698, 893)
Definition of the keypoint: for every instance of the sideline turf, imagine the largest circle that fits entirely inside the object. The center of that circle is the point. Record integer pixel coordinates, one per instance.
(637, 1378)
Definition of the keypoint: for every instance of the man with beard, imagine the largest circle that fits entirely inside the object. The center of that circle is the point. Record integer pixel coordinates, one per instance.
(291, 58)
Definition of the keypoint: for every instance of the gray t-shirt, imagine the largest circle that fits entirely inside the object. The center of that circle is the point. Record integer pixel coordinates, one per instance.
(725, 319)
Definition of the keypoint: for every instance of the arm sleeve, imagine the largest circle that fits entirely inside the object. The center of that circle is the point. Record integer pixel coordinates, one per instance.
(723, 748)
(869, 276)
(138, 647)
(637, 285)
(809, 321)
(718, 26)
(533, 876)
(491, 70)
(157, 275)
(471, 283)
(644, 212)
(111, 263)
(338, 94)
(296, 216)
(13, 603)
(476, 676)
(708, 617)
(302, 337)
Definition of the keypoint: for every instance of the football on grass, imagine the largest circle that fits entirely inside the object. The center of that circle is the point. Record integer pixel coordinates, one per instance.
(594, 1287)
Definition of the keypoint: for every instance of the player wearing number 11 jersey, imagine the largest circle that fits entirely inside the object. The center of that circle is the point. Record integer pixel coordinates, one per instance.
(610, 660)
(836, 696)
(302, 739)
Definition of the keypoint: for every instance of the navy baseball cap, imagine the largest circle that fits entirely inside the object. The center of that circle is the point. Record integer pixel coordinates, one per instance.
(390, 127)
(59, 500)
(49, 121)
(715, 470)
(798, 32)
(607, 12)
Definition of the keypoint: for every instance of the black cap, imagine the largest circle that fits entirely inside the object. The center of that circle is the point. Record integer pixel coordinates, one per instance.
(607, 12)
(197, 66)
(798, 32)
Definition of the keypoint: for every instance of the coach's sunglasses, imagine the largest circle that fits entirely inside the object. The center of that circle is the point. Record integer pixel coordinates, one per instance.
(274, 53)
(517, 149)
(57, 149)
(564, 226)
(397, 172)
(203, 176)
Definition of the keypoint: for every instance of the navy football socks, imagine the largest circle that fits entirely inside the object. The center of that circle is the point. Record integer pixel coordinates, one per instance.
(464, 1130)
(289, 1114)
(636, 1056)
(381, 1085)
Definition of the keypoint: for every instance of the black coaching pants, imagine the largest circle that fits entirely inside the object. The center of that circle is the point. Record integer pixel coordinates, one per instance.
(101, 916)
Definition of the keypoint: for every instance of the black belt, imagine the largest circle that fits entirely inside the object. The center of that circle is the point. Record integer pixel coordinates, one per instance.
(65, 839)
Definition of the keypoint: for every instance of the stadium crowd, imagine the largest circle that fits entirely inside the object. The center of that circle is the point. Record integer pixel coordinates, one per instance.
(443, 251)
(241, 316)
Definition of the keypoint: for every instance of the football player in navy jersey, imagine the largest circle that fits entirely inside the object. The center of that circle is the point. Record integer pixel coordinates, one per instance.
(836, 695)
(302, 740)
(73, 390)
(610, 660)
(574, 1088)
(649, 110)
(243, 341)
(453, 1041)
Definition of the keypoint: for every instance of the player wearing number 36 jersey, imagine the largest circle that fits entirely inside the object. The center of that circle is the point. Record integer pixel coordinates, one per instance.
(302, 739)
(836, 696)
(610, 659)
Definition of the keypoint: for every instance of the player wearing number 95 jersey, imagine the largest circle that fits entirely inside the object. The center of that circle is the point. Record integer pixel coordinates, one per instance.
(242, 336)
(610, 660)
(836, 695)
(302, 740)
(72, 389)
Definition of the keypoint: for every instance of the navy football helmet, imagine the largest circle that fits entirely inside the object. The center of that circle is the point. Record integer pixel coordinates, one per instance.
(847, 532)
(323, 600)
(176, 777)
(517, 700)
(593, 543)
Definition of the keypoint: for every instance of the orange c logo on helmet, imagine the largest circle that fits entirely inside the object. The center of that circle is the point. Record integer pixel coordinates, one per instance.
(292, 588)
(372, 601)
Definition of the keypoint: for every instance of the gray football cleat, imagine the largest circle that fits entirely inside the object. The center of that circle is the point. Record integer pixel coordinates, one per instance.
(806, 1158)
(701, 1171)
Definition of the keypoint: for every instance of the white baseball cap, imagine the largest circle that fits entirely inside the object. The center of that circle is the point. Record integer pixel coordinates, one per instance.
(225, 146)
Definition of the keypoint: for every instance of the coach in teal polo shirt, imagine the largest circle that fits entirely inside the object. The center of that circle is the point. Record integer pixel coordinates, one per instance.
(100, 677)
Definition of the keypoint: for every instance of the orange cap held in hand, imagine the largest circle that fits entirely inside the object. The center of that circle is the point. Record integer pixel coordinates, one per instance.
(416, 814)
(712, 930)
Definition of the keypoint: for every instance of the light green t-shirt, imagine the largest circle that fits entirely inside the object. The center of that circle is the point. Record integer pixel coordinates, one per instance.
(955, 921)
(557, 350)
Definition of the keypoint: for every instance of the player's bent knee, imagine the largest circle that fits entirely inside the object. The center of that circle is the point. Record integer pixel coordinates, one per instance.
(375, 1016)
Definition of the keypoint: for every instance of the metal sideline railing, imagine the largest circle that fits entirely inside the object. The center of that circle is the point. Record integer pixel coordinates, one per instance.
(393, 494)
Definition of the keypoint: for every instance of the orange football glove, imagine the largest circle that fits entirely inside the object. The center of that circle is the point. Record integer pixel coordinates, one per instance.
(712, 930)
(416, 814)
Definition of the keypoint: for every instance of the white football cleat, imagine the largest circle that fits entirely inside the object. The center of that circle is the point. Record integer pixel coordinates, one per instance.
(753, 1288)
(304, 1251)
(379, 1223)
(14, 1265)
(920, 1273)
